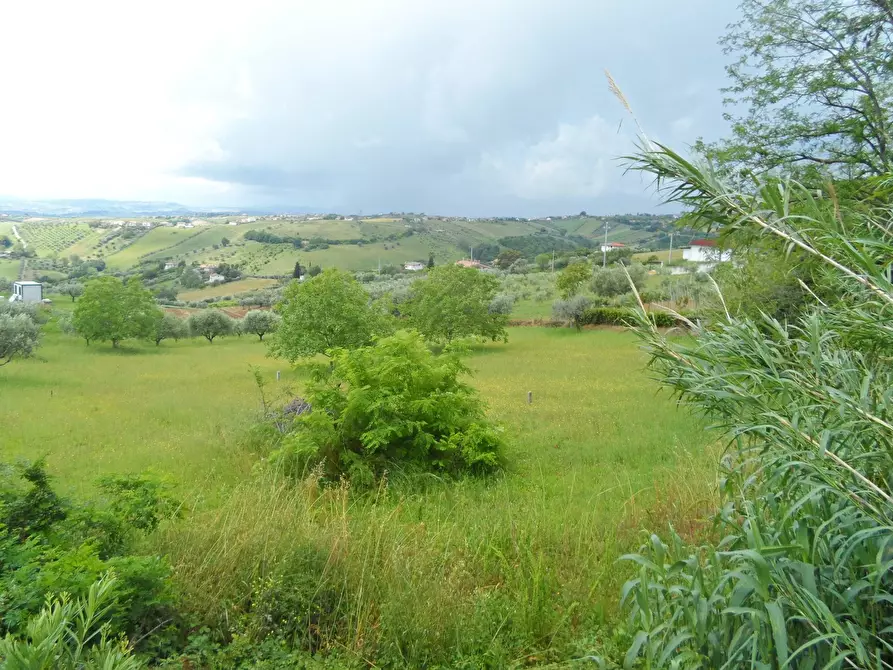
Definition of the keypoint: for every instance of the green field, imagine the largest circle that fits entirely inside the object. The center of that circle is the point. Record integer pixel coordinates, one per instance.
(230, 288)
(152, 242)
(435, 573)
(9, 268)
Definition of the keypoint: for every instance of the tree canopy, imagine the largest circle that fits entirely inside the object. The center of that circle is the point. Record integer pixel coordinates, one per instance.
(325, 311)
(260, 322)
(111, 310)
(814, 81)
(453, 302)
(19, 336)
(210, 323)
(572, 279)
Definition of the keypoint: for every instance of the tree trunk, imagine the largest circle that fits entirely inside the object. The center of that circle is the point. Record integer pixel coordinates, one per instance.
(261, 336)
(115, 344)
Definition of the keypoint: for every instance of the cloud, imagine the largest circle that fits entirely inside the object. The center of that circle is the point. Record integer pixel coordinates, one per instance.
(471, 106)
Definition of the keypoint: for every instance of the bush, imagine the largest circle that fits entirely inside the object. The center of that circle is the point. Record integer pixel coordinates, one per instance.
(392, 404)
(623, 316)
(502, 304)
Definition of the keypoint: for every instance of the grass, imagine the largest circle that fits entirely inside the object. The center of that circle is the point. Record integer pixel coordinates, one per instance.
(231, 288)
(9, 268)
(663, 255)
(152, 242)
(519, 568)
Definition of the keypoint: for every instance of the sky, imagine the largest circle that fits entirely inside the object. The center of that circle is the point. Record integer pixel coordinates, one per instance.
(466, 107)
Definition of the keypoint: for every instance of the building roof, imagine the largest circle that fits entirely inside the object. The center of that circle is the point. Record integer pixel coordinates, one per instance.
(615, 244)
(703, 243)
(28, 283)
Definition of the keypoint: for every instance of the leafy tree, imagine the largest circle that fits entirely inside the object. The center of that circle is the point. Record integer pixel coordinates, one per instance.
(210, 323)
(224, 242)
(169, 327)
(452, 302)
(430, 261)
(314, 270)
(298, 271)
(815, 83)
(572, 310)
(543, 261)
(5, 285)
(502, 304)
(19, 336)
(260, 322)
(393, 403)
(166, 294)
(326, 311)
(190, 278)
(485, 252)
(71, 289)
(113, 310)
(5, 242)
(229, 272)
(506, 257)
(572, 279)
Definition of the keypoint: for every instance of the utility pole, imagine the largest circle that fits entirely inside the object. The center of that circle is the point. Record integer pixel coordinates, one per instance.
(605, 247)
(471, 253)
(553, 261)
(670, 254)
(379, 267)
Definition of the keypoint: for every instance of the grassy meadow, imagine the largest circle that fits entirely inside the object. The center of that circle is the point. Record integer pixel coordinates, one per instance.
(230, 288)
(520, 568)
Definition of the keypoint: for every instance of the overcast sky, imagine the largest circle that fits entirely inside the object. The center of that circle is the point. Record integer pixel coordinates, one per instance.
(474, 107)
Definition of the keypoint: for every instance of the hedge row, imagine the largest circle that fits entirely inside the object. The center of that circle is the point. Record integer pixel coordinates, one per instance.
(622, 316)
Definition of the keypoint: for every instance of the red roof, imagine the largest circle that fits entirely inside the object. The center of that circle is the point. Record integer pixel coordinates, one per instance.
(615, 244)
(703, 243)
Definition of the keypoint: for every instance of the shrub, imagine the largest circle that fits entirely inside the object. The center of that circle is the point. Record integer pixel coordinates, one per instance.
(502, 304)
(624, 316)
(392, 404)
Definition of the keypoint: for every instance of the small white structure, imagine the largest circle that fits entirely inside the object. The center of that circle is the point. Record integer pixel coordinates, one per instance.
(169, 265)
(705, 251)
(216, 278)
(26, 291)
(611, 246)
(413, 266)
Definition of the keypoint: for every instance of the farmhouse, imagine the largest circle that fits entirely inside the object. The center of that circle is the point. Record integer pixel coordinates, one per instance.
(413, 266)
(705, 251)
(611, 246)
(169, 265)
(216, 278)
(26, 291)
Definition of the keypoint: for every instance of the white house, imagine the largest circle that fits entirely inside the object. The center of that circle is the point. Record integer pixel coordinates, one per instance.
(705, 251)
(413, 266)
(170, 265)
(611, 246)
(26, 291)
(216, 278)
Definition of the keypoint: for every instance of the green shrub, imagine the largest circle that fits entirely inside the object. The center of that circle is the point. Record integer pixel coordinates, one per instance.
(392, 404)
(622, 316)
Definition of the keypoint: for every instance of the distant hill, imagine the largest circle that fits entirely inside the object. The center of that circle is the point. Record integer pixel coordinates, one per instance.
(90, 207)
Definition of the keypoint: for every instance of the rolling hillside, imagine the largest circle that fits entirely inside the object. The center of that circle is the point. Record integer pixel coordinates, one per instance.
(270, 245)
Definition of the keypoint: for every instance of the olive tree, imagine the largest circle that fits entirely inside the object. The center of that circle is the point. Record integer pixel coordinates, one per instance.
(260, 322)
(71, 289)
(19, 336)
(210, 323)
(169, 327)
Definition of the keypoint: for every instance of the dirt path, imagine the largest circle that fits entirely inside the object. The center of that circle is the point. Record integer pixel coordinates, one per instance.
(15, 231)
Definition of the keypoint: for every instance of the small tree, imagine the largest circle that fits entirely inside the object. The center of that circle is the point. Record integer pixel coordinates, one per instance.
(391, 403)
(72, 289)
(326, 311)
(430, 261)
(313, 270)
(611, 282)
(572, 310)
(572, 279)
(210, 323)
(542, 261)
(190, 278)
(19, 336)
(169, 327)
(260, 322)
(506, 257)
(455, 302)
(298, 271)
(112, 310)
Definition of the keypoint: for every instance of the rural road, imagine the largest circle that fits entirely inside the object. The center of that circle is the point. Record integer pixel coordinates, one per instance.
(15, 231)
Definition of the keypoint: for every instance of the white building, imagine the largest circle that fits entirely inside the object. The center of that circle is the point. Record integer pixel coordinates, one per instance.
(611, 246)
(413, 266)
(705, 251)
(216, 278)
(170, 265)
(26, 291)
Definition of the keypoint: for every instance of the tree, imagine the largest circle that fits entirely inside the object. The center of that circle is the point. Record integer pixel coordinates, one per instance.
(229, 272)
(115, 311)
(326, 311)
(816, 81)
(313, 270)
(190, 278)
(260, 322)
(572, 279)
(506, 257)
(169, 327)
(572, 310)
(72, 289)
(543, 260)
(224, 242)
(5, 242)
(452, 302)
(19, 336)
(430, 261)
(210, 323)
(298, 271)
(613, 281)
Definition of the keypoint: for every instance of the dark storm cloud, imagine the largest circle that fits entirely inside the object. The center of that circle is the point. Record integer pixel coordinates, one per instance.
(463, 107)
